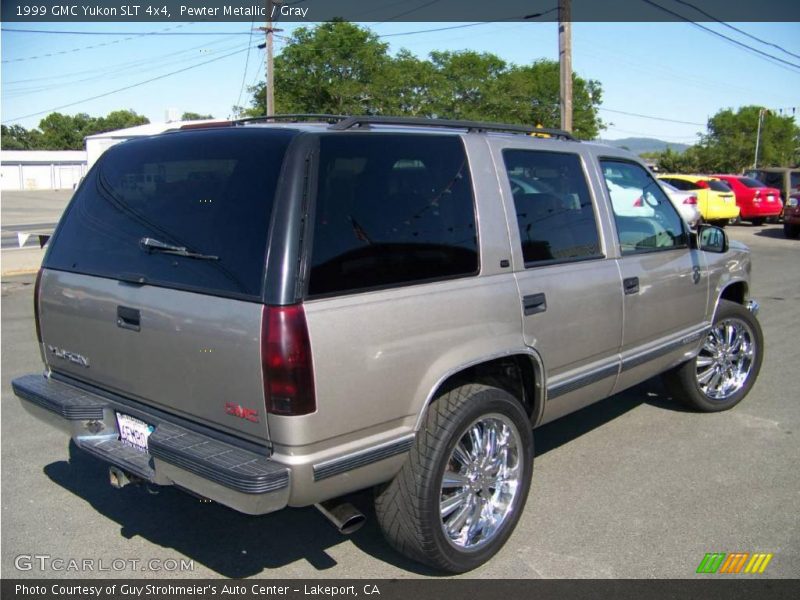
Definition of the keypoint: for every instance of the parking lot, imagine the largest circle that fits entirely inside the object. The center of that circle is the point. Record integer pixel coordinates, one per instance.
(634, 486)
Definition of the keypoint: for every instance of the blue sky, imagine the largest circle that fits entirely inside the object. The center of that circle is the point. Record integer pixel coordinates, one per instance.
(673, 71)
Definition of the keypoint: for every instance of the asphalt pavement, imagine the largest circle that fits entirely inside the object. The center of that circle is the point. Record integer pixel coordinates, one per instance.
(631, 487)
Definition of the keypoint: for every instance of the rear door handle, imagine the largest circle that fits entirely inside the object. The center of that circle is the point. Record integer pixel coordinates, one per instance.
(129, 318)
(631, 285)
(534, 303)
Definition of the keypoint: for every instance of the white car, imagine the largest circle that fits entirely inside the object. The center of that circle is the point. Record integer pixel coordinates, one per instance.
(685, 202)
(628, 201)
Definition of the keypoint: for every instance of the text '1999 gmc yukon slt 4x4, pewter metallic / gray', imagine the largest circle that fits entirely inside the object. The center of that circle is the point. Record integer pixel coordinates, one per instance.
(281, 312)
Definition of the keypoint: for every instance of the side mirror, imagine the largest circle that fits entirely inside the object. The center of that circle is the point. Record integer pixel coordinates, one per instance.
(712, 239)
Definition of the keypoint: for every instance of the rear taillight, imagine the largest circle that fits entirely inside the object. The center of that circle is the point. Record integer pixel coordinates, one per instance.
(638, 202)
(36, 287)
(286, 363)
(690, 200)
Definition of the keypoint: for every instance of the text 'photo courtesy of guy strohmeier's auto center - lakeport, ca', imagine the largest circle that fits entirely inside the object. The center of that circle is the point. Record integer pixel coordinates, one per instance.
(319, 298)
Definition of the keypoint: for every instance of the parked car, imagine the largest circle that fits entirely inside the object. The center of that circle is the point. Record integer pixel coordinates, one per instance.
(685, 202)
(755, 200)
(791, 217)
(715, 200)
(785, 179)
(367, 304)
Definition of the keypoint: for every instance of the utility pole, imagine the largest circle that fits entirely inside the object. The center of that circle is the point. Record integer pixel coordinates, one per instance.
(761, 113)
(269, 30)
(565, 62)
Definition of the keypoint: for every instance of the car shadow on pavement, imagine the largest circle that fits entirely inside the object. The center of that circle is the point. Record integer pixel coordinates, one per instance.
(564, 430)
(237, 545)
(221, 539)
(775, 233)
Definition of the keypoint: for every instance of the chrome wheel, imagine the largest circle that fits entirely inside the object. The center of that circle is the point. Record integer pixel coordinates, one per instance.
(726, 359)
(480, 482)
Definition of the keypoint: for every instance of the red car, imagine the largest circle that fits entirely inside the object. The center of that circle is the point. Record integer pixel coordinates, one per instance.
(756, 201)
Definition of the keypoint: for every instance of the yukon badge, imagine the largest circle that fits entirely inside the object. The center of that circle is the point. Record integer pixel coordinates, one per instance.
(72, 357)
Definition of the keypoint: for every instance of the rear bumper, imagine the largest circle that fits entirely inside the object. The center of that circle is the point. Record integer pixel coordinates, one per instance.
(721, 210)
(197, 461)
(762, 209)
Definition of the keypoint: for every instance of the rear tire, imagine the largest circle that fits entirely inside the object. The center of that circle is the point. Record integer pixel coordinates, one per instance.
(726, 367)
(791, 231)
(462, 489)
(757, 222)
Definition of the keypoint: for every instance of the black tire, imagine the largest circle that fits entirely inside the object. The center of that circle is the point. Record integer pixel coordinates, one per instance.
(757, 222)
(683, 381)
(791, 231)
(408, 508)
(721, 223)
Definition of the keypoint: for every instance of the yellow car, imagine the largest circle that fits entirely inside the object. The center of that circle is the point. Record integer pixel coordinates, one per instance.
(715, 200)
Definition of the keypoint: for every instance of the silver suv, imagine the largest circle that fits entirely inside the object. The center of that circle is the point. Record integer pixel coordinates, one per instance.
(282, 312)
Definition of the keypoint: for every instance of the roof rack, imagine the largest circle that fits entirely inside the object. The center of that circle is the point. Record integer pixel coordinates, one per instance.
(292, 118)
(471, 126)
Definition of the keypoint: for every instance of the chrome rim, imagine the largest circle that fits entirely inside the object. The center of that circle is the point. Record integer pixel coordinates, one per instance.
(481, 481)
(726, 359)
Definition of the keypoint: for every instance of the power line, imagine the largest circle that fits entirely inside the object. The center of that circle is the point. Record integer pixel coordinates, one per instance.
(631, 114)
(770, 57)
(127, 87)
(246, 62)
(729, 26)
(51, 54)
(137, 33)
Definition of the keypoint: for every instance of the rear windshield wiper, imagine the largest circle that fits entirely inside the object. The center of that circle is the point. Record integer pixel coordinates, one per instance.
(154, 245)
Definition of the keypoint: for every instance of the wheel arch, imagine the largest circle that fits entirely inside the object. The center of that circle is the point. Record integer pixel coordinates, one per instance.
(734, 291)
(520, 373)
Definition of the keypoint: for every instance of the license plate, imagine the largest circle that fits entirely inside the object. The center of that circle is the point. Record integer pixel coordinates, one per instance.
(133, 432)
(770, 198)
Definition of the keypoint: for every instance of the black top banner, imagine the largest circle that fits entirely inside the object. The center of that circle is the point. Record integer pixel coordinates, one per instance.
(381, 11)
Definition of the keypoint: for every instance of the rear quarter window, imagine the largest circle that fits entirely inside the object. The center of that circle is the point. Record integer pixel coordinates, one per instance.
(210, 192)
(391, 209)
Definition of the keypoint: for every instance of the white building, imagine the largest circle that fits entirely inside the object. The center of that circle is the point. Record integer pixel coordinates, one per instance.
(100, 142)
(41, 169)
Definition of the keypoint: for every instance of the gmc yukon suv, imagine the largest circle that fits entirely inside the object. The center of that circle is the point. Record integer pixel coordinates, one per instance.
(281, 312)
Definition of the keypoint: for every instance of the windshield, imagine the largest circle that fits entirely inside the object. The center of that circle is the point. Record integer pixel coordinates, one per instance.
(751, 183)
(718, 186)
(206, 193)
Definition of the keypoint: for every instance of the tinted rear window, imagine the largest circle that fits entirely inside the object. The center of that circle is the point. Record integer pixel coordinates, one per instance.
(392, 209)
(718, 186)
(210, 192)
(751, 183)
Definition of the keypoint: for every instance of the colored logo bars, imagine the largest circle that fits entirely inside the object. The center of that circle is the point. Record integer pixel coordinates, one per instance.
(733, 563)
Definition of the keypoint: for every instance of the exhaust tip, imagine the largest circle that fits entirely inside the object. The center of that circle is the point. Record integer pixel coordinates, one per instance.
(119, 478)
(344, 516)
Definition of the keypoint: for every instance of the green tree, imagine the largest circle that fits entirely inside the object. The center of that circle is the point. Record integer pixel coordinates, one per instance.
(729, 145)
(333, 68)
(66, 132)
(531, 95)
(119, 119)
(16, 137)
(342, 68)
(193, 116)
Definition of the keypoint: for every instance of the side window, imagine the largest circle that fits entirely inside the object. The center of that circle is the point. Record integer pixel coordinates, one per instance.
(646, 219)
(391, 209)
(553, 205)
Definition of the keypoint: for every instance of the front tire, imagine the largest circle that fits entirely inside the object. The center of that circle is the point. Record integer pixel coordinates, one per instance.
(461, 491)
(791, 231)
(726, 367)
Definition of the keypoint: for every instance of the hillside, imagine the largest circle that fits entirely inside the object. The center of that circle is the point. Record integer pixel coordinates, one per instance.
(639, 145)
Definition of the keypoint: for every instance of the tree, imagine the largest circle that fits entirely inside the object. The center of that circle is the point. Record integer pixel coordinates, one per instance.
(193, 116)
(342, 68)
(65, 132)
(119, 119)
(332, 68)
(16, 137)
(729, 145)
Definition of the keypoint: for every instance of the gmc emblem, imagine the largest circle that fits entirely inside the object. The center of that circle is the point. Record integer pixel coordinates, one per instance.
(240, 411)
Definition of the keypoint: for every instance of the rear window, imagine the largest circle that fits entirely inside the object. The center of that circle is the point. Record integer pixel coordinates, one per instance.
(718, 186)
(210, 192)
(392, 209)
(751, 183)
